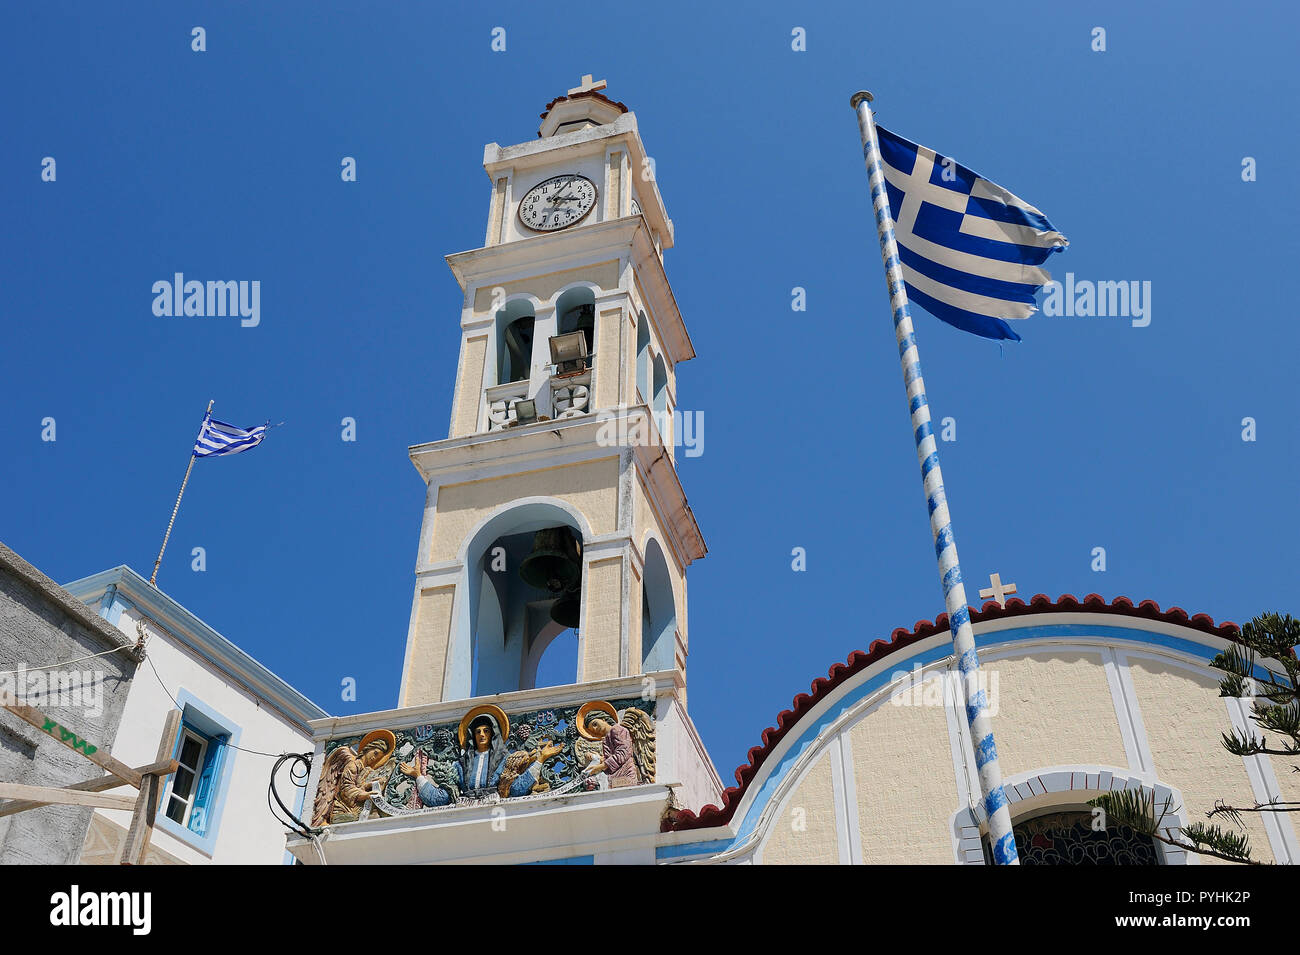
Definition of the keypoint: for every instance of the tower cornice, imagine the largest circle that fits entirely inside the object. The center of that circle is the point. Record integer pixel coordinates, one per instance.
(627, 237)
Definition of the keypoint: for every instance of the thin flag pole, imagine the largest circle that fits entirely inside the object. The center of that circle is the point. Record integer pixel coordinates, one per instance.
(945, 545)
(153, 580)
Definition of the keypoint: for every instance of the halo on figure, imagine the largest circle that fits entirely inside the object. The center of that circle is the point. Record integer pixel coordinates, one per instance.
(486, 709)
(387, 736)
(587, 709)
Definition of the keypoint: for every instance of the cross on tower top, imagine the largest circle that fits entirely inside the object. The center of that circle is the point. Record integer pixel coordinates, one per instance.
(588, 85)
(999, 591)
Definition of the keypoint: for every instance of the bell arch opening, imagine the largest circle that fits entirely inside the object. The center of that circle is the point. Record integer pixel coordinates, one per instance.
(643, 357)
(575, 311)
(524, 579)
(658, 611)
(515, 327)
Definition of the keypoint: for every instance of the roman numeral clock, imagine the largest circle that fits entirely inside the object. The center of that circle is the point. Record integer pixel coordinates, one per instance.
(557, 203)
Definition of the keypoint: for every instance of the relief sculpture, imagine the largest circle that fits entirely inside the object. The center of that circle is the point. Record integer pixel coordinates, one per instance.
(487, 757)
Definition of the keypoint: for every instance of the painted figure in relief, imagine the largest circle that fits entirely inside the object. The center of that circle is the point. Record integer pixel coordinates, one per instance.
(622, 750)
(350, 777)
(484, 765)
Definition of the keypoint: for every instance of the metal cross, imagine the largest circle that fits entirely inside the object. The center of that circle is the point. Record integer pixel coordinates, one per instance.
(588, 86)
(999, 591)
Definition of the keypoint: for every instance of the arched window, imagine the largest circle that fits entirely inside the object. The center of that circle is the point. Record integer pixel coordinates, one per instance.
(643, 357)
(515, 342)
(658, 612)
(576, 311)
(1068, 837)
(659, 402)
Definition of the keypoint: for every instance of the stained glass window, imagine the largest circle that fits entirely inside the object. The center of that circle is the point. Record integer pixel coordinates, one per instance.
(1068, 838)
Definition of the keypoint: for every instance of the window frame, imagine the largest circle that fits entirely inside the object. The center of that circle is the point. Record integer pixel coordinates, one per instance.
(187, 732)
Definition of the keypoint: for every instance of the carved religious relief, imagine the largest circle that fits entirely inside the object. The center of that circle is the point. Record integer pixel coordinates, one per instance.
(487, 757)
(351, 777)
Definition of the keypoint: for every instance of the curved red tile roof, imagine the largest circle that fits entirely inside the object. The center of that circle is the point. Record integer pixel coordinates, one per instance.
(589, 94)
(901, 638)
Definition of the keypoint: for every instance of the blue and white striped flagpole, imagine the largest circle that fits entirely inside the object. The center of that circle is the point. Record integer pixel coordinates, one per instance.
(945, 545)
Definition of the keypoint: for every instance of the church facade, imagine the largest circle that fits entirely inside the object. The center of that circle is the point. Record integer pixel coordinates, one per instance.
(554, 512)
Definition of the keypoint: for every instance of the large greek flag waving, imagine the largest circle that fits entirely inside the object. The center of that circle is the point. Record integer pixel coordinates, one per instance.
(217, 438)
(971, 252)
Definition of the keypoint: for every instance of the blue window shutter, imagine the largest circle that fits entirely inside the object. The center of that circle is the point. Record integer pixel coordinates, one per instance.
(204, 788)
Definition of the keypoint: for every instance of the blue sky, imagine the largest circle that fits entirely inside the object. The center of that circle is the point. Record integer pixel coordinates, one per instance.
(225, 164)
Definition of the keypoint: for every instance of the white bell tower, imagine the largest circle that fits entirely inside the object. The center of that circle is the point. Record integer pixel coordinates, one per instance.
(561, 423)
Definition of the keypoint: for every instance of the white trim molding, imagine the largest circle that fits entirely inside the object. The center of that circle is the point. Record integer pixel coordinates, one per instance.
(1067, 786)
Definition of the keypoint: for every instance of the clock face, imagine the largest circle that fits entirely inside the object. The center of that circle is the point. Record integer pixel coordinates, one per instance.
(557, 203)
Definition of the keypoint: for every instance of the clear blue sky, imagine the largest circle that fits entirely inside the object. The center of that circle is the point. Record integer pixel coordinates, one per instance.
(225, 164)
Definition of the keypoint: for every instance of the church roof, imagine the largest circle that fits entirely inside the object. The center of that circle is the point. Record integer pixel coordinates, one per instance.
(589, 94)
(902, 638)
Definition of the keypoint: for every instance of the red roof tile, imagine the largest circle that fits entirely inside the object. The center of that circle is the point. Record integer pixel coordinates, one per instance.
(589, 94)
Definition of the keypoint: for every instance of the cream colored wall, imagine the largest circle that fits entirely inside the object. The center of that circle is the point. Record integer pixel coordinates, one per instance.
(1184, 718)
(609, 330)
(634, 623)
(1055, 707)
(544, 287)
(495, 212)
(589, 486)
(469, 387)
(804, 831)
(422, 681)
(604, 616)
(902, 764)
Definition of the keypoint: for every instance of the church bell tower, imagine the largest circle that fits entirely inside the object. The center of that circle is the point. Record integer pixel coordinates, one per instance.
(554, 510)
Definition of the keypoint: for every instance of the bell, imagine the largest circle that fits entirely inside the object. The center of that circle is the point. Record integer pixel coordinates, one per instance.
(567, 610)
(555, 563)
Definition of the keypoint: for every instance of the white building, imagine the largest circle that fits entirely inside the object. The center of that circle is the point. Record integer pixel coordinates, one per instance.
(214, 809)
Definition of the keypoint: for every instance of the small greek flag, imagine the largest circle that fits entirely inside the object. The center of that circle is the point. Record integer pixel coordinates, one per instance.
(217, 438)
(970, 251)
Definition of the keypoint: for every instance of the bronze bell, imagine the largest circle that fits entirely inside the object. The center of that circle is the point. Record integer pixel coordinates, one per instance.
(568, 609)
(556, 561)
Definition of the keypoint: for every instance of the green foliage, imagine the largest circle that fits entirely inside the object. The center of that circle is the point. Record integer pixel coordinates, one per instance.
(1213, 840)
(1272, 686)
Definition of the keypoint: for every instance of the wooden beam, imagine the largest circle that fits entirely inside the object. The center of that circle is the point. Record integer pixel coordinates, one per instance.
(54, 729)
(64, 797)
(146, 802)
(98, 785)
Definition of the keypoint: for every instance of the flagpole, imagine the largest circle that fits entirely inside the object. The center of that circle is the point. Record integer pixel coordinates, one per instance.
(153, 580)
(927, 452)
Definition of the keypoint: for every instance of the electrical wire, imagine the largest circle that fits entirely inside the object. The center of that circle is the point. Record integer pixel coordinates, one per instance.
(63, 663)
(170, 696)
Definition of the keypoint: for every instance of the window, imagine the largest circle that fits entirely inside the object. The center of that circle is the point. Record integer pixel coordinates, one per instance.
(189, 801)
(1068, 838)
(195, 796)
(180, 800)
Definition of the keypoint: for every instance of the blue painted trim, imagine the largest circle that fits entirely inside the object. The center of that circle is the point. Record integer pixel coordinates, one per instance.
(904, 661)
(209, 722)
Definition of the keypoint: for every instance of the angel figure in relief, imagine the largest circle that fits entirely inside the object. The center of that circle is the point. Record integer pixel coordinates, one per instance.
(617, 752)
(350, 777)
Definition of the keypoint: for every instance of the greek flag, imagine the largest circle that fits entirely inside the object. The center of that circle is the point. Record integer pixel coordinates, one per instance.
(217, 438)
(971, 252)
